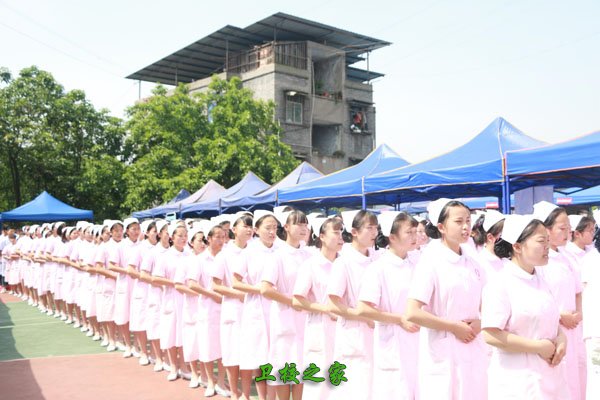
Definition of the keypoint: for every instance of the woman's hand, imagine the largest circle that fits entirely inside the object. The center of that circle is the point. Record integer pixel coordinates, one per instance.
(546, 350)
(463, 332)
(409, 326)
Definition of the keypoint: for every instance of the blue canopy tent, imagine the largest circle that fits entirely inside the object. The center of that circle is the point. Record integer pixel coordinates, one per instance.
(572, 164)
(45, 207)
(589, 196)
(472, 170)
(344, 187)
(183, 194)
(248, 186)
(210, 190)
(268, 198)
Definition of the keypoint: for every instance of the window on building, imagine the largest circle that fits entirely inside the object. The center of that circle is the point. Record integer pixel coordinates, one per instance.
(358, 120)
(293, 108)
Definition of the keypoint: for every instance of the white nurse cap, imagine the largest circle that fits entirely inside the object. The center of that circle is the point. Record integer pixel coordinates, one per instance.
(160, 224)
(282, 216)
(514, 225)
(258, 214)
(492, 217)
(574, 221)
(316, 223)
(348, 218)
(386, 220)
(542, 209)
(434, 209)
(130, 221)
(144, 226)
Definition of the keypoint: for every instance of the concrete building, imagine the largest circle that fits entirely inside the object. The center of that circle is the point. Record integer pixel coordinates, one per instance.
(324, 105)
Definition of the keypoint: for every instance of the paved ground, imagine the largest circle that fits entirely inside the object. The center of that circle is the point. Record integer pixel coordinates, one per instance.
(43, 358)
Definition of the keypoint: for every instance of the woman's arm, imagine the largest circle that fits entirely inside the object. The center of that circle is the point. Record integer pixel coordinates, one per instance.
(132, 271)
(145, 277)
(244, 287)
(158, 281)
(195, 286)
(338, 307)
(367, 310)
(181, 288)
(226, 291)
(513, 343)
(268, 290)
(416, 315)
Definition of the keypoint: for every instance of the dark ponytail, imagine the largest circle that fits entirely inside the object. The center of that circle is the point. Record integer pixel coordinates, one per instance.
(504, 249)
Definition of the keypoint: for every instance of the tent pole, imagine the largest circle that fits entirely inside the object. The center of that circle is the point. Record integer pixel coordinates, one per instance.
(363, 198)
(276, 197)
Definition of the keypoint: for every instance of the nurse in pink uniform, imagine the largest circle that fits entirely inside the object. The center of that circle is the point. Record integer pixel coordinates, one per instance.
(310, 295)
(383, 298)
(520, 319)
(172, 301)
(444, 299)
(118, 258)
(286, 334)
(88, 262)
(231, 306)
(139, 292)
(254, 327)
(565, 285)
(189, 333)
(103, 238)
(107, 304)
(354, 334)
(486, 232)
(155, 293)
(199, 279)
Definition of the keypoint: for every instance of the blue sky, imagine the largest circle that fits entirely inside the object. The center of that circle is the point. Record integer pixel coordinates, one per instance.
(453, 66)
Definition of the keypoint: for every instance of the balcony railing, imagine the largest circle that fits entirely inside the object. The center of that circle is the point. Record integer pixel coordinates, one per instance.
(292, 54)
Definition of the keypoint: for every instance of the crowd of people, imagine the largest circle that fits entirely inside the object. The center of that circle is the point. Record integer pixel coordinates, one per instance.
(460, 305)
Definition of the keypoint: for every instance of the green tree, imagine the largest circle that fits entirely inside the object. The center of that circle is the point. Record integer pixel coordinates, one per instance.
(52, 139)
(180, 140)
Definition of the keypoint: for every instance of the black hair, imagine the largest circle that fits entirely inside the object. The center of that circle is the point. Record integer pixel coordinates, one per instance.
(63, 236)
(295, 217)
(480, 235)
(213, 230)
(383, 241)
(431, 229)
(118, 223)
(585, 222)
(335, 224)
(260, 221)
(504, 249)
(245, 219)
(551, 218)
(149, 228)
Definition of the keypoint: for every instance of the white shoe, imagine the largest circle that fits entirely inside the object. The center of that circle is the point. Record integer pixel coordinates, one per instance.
(30, 302)
(185, 375)
(193, 383)
(209, 392)
(111, 347)
(85, 329)
(96, 338)
(121, 346)
(172, 376)
(166, 367)
(57, 315)
(64, 317)
(68, 321)
(104, 343)
(76, 325)
(89, 333)
(50, 312)
(144, 361)
(135, 353)
(222, 392)
(158, 367)
(127, 353)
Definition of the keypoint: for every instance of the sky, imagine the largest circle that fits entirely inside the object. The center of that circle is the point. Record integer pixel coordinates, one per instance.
(452, 68)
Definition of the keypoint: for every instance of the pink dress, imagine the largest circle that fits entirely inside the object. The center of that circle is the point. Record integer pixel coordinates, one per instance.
(590, 276)
(395, 351)
(189, 314)
(565, 283)
(49, 266)
(489, 263)
(119, 255)
(286, 335)
(353, 339)
(254, 327)
(231, 309)
(209, 311)
(91, 282)
(71, 273)
(319, 330)
(83, 292)
(172, 300)
(155, 293)
(106, 308)
(99, 257)
(139, 292)
(522, 304)
(450, 286)
(42, 271)
(62, 251)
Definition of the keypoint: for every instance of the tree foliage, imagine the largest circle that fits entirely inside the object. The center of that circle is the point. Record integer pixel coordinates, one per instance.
(180, 140)
(53, 140)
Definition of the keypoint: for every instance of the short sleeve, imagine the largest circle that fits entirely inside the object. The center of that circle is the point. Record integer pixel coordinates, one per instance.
(370, 290)
(303, 280)
(495, 306)
(194, 270)
(180, 273)
(114, 253)
(160, 266)
(337, 280)
(218, 269)
(270, 272)
(242, 268)
(147, 261)
(423, 284)
(135, 256)
(74, 256)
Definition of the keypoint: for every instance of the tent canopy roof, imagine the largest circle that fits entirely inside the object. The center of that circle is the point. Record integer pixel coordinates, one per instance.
(45, 207)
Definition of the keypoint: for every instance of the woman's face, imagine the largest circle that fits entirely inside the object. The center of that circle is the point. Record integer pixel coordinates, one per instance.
(559, 232)
(198, 244)
(587, 236)
(152, 235)
(267, 230)
(422, 238)
(180, 238)
(297, 232)
(331, 238)
(105, 235)
(133, 232)
(117, 232)
(406, 237)
(242, 231)
(365, 236)
(456, 229)
(534, 251)
(217, 240)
